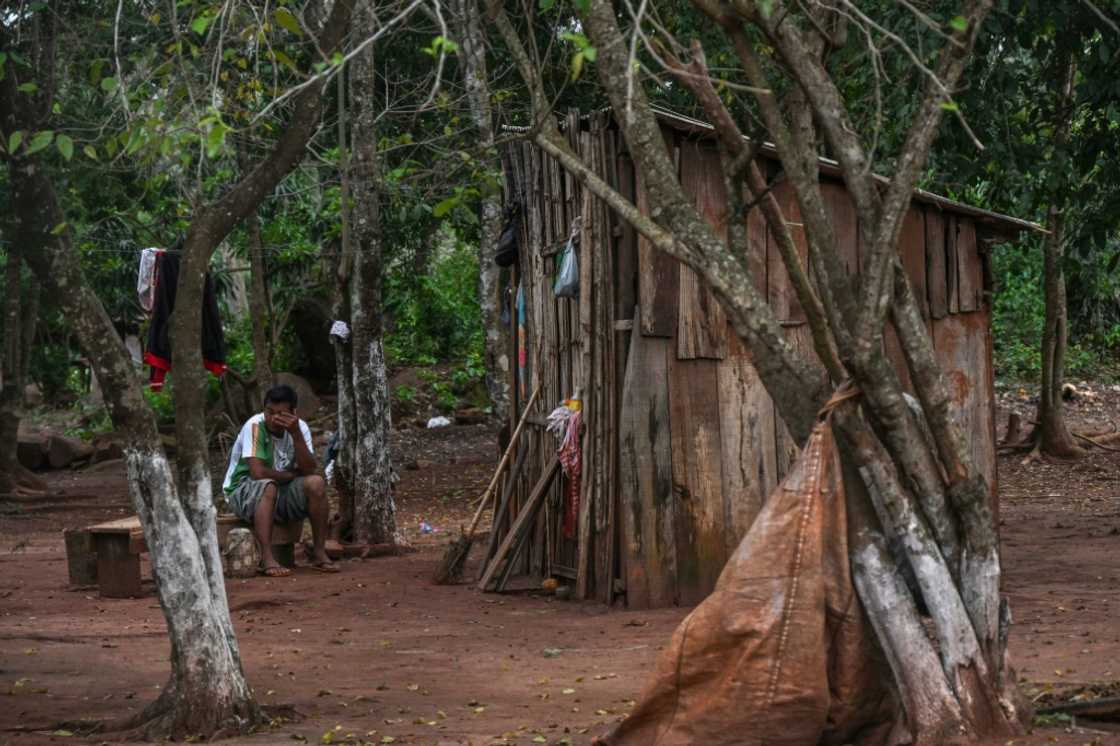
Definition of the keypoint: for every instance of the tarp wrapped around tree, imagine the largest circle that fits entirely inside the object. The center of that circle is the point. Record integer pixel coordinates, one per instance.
(681, 443)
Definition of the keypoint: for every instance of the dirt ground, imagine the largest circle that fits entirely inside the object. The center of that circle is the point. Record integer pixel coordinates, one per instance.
(378, 654)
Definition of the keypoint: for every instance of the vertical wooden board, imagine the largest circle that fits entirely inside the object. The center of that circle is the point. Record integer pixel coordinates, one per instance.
(912, 247)
(845, 225)
(746, 427)
(701, 323)
(626, 257)
(646, 475)
(970, 279)
(658, 282)
(988, 400)
(756, 244)
(694, 419)
(585, 381)
(952, 282)
(779, 290)
(961, 342)
(937, 285)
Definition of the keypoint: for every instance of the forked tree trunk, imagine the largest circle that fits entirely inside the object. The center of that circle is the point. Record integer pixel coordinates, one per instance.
(914, 482)
(207, 692)
(374, 508)
(477, 80)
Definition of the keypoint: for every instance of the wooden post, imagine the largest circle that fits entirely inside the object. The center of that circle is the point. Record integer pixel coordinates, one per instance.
(81, 556)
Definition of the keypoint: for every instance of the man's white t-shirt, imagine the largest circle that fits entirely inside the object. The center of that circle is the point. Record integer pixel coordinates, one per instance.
(255, 441)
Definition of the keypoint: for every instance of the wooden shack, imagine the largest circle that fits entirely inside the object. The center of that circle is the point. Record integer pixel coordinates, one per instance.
(681, 443)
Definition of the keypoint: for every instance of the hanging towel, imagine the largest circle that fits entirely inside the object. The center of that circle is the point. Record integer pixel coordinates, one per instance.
(158, 355)
(146, 278)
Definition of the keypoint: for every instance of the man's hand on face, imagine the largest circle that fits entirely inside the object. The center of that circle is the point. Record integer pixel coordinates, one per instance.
(288, 421)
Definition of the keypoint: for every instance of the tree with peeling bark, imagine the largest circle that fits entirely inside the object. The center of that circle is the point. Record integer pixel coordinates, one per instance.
(364, 468)
(927, 496)
(207, 693)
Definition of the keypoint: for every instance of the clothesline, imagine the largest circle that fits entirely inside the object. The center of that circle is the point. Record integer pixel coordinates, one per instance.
(136, 252)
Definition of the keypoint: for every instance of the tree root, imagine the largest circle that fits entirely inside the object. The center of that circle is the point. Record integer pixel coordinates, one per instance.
(1094, 441)
(170, 717)
(1031, 444)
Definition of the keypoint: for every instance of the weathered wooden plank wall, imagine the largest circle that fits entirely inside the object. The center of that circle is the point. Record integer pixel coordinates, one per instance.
(682, 444)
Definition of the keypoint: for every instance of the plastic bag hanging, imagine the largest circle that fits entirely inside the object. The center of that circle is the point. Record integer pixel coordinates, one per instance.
(567, 279)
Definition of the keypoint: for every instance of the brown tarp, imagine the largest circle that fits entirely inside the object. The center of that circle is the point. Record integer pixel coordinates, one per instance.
(781, 651)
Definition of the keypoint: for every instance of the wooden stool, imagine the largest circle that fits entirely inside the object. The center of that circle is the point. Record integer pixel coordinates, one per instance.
(119, 545)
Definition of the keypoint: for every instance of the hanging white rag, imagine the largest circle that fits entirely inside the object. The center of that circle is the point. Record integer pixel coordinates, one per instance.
(146, 278)
(558, 421)
(341, 330)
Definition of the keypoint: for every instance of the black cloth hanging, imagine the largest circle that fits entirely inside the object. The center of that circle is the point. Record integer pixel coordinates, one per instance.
(158, 355)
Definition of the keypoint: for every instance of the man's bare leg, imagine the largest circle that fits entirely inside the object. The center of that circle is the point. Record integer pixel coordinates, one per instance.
(262, 529)
(318, 510)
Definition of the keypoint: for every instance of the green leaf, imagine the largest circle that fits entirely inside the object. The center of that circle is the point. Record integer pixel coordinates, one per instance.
(91, 152)
(950, 106)
(583, 6)
(28, 88)
(577, 65)
(200, 24)
(590, 53)
(40, 141)
(288, 21)
(215, 139)
(56, 231)
(285, 59)
(108, 84)
(959, 23)
(14, 140)
(445, 207)
(65, 146)
(547, 5)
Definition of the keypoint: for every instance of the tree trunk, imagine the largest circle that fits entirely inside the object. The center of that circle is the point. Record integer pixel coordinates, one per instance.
(1053, 436)
(14, 478)
(30, 327)
(207, 692)
(343, 470)
(477, 80)
(258, 307)
(374, 509)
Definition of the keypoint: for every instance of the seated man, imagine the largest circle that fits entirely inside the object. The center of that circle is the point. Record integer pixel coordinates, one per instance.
(271, 478)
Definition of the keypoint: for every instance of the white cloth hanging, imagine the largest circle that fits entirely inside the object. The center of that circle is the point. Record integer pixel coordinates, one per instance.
(146, 278)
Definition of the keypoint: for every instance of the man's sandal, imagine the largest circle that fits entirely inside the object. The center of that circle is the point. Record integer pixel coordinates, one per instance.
(327, 567)
(276, 571)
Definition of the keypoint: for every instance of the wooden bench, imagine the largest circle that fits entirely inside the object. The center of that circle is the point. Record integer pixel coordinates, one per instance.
(119, 544)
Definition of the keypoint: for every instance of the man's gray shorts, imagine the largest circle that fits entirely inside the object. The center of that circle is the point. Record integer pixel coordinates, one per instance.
(291, 500)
